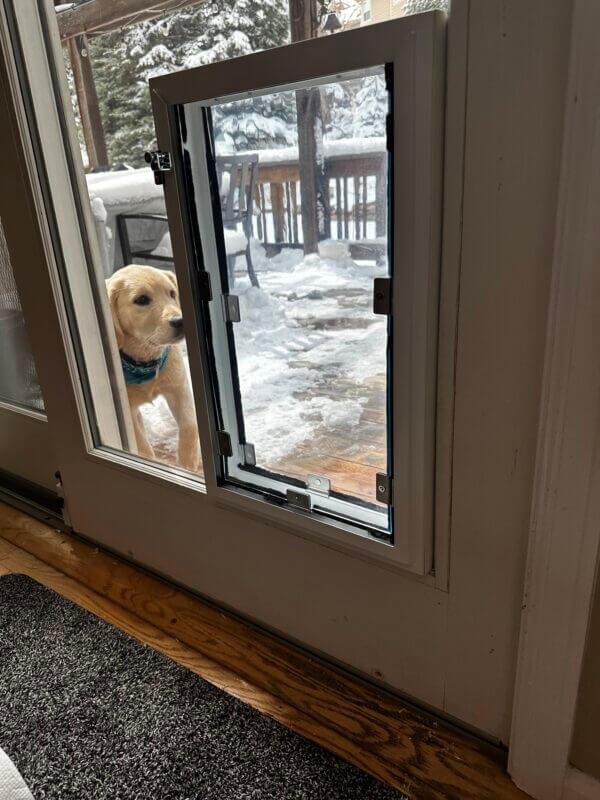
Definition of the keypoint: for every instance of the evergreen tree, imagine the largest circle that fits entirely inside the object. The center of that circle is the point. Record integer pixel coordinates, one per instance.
(124, 61)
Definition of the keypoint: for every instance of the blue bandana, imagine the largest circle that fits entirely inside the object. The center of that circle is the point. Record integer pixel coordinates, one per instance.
(142, 371)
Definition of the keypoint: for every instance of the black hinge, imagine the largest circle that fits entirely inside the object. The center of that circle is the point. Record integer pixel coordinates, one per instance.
(61, 493)
(383, 488)
(224, 440)
(389, 133)
(389, 76)
(204, 285)
(382, 296)
(160, 162)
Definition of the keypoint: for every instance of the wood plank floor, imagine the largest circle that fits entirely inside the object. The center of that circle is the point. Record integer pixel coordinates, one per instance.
(370, 728)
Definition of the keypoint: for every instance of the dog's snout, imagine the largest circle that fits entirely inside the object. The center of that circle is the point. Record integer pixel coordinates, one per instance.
(177, 323)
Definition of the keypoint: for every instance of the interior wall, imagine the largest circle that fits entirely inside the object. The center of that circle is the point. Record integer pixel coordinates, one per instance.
(585, 747)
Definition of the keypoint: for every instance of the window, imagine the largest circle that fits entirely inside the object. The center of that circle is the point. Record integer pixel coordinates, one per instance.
(366, 9)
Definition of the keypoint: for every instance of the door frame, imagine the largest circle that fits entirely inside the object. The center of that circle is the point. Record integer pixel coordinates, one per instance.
(564, 539)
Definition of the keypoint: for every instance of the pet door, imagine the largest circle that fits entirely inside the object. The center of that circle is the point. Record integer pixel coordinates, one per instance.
(297, 185)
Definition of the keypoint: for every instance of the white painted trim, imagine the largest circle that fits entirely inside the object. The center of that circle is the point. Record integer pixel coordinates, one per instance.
(579, 786)
(564, 530)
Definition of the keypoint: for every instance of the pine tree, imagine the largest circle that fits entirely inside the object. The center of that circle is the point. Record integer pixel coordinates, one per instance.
(124, 61)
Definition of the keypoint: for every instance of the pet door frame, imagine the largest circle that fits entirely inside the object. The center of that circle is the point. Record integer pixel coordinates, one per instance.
(414, 49)
(201, 182)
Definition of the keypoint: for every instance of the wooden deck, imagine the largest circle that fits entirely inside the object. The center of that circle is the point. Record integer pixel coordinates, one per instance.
(351, 457)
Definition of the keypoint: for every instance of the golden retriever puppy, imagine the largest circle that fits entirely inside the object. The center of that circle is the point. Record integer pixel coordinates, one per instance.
(146, 314)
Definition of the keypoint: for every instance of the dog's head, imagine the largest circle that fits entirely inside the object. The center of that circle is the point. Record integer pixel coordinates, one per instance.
(144, 302)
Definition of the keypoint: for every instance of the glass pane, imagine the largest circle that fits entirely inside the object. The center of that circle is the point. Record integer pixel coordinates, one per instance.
(108, 77)
(143, 298)
(304, 234)
(18, 379)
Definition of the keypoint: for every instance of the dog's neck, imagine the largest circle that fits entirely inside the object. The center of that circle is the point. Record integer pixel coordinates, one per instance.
(141, 351)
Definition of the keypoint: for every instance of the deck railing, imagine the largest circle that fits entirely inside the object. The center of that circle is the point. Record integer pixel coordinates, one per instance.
(357, 196)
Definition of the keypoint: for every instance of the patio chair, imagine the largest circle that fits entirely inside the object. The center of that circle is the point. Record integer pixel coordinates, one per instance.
(237, 176)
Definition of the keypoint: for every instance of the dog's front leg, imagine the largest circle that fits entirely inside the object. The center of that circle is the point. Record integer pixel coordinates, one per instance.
(181, 404)
(143, 445)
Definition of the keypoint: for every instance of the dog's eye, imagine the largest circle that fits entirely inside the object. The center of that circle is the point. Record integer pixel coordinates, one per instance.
(142, 300)
(173, 293)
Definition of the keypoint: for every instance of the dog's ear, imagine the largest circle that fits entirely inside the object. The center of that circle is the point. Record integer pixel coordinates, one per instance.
(172, 277)
(112, 291)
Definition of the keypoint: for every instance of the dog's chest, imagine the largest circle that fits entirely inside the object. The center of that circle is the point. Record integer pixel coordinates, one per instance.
(146, 392)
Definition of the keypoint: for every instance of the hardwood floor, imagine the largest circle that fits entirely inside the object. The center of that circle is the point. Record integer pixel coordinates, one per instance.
(368, 727)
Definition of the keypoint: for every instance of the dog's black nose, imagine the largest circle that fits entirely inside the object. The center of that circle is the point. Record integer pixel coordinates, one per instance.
(177, 323)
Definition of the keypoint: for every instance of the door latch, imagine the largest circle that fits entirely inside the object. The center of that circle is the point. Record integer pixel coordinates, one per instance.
(383, 488)
(382, 296)
(299, 499)
(231, 308)
(160, 162)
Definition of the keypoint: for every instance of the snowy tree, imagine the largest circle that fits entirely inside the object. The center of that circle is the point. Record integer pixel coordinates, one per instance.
(125, 60)
(355, 108)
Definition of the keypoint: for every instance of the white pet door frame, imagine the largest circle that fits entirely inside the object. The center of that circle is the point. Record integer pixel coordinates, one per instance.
(408, 52)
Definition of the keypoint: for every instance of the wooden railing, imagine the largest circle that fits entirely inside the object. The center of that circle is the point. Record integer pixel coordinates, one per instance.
(357, 186)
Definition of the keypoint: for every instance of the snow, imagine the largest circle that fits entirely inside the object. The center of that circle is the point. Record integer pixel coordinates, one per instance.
(332, 148)
(125, 189)
(305, 335)
(235, 242)
(98, 208)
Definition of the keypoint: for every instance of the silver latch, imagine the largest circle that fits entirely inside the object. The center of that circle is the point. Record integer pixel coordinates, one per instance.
(317, 483)
(383, 488)
(231, 308)
(248, 454)
(382, 296)
(160, 162)
(299, 499)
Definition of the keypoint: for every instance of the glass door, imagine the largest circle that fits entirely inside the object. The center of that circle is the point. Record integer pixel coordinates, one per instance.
(298, 305)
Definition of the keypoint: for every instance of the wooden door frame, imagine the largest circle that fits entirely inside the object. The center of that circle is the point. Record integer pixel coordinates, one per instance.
(564, 531)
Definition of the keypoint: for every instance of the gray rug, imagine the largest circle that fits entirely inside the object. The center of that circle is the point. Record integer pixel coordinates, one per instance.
(88, 713)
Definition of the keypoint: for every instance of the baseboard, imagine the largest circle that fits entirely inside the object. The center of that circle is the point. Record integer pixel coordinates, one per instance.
(580, 786)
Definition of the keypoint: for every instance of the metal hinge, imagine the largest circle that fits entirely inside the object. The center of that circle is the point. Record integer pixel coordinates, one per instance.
(247, 454)
(160, 162)
(383, 488)
(224, 440)
(231, 308)
(299, 499)
(317, 483)
(382, 296)
(61, 493)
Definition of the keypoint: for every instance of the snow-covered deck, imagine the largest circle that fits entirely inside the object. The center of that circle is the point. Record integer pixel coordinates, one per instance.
(311, 359)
